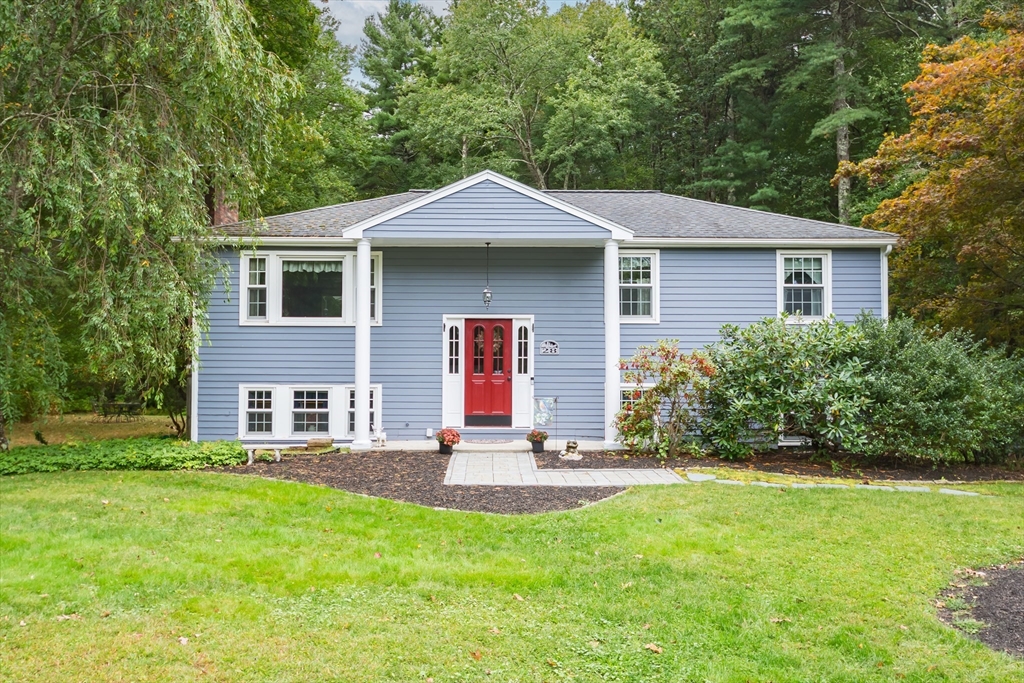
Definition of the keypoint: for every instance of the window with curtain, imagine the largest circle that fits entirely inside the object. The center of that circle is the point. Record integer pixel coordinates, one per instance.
(311, 289)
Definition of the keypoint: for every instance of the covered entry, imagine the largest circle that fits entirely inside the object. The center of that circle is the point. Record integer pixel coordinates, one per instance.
(488, 371)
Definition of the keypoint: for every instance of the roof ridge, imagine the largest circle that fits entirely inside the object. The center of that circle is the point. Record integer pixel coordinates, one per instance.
(605, 191)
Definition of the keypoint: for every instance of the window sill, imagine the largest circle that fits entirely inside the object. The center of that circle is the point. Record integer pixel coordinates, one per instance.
(804, 320)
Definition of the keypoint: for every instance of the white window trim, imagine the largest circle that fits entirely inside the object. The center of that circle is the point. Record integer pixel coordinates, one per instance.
(282, 397)
(274, 276)
(376, 391)
(826, 271)
(629, 387)
(655, 317)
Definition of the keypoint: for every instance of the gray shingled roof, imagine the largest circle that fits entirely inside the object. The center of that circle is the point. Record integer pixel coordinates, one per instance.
(647, 213)
(657, 214)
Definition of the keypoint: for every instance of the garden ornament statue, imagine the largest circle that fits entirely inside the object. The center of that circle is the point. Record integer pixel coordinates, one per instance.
(570, 451)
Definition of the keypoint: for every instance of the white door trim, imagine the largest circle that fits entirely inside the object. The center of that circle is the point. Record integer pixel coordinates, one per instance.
(453, 407)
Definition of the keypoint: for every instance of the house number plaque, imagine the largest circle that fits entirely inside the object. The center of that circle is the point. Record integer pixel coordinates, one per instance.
(549, 347)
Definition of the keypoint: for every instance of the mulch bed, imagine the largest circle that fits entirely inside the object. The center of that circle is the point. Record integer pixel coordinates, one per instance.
(419, 478)
(791, 461)
(994, 597)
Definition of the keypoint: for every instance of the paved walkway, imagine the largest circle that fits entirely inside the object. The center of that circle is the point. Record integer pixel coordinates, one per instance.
(520, 469)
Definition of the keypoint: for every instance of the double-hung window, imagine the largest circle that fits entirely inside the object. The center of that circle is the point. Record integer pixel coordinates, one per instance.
(310, 411)
(259, 413)
(257, 289)
(805, 290)
(638, 286)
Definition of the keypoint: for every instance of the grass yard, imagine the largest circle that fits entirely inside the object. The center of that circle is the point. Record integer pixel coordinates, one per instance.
(87, 427)
(279, 581)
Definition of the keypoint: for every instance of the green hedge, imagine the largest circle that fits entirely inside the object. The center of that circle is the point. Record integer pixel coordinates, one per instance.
(122, 454)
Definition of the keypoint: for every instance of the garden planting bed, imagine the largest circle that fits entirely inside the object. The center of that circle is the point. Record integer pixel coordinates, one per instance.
(988, 605)
(418, 477)
(793, 462)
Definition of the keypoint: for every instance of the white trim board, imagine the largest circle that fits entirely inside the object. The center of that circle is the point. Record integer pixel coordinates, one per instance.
(274, 276)
(616, 231)
(826, 272)
(453, 399)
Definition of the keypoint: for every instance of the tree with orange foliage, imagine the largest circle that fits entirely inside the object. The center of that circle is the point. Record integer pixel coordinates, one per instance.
(961, 217)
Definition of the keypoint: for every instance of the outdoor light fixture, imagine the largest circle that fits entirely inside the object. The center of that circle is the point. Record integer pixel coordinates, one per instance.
(487, 286)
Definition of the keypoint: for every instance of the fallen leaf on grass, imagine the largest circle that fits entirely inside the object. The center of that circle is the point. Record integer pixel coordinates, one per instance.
(495, 631)
(518, 597)
(638, 556)
(476, 655)
(780, 620)
(377, 555)
(653, 648)
(552, 663)
(105, 614)
(66, 617)
(647, 625)
(627, 585)
(183, 640)
(106, 502)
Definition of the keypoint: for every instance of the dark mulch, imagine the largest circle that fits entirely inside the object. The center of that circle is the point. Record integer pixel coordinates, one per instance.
(419, 478)
(792, 461)
(995, 597)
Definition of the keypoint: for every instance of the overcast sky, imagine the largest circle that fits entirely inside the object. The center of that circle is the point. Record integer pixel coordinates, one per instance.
(351, 14)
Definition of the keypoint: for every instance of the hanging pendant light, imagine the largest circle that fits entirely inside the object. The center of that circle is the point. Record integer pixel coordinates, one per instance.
(487, 286)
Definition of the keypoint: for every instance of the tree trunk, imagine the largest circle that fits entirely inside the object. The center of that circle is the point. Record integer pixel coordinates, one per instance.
(840, 103)
(5, 444)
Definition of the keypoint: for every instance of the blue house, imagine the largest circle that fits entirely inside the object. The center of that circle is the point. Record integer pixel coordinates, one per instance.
(460, 307)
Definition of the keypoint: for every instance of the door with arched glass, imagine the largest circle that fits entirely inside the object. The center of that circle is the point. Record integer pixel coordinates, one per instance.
(489, 369)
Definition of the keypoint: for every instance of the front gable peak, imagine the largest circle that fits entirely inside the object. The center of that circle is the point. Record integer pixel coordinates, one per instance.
(488, 205)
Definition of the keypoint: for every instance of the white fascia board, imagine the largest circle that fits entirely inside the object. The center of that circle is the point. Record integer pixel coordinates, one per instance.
(305, 242)
(617, 231)
(668, 242)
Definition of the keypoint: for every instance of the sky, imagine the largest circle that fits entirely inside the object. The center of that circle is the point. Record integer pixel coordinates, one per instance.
(351, 14)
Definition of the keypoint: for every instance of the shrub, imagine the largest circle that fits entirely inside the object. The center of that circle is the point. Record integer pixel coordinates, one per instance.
(775, 378)
(122, 454)
(661, 410)
(942, 398)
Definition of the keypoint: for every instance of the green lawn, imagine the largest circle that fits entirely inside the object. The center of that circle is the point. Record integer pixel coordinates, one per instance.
(275, 581)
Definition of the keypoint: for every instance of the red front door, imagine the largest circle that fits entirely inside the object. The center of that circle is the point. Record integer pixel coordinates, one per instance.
(488, 373)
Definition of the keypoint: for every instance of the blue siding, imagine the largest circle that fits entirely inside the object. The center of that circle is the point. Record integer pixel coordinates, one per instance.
(562, 288)
(856, 282)
(236, 354)
(703, 289)
(487, 210)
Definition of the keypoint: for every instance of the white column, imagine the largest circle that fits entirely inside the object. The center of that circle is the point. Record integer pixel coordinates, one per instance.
(885, 281)
(611, 340)
(362, 354)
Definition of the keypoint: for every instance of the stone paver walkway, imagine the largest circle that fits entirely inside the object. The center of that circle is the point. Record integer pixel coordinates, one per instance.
(520, 469)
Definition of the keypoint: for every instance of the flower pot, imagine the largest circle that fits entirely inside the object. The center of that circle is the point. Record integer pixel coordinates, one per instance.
(444, 449)
(538, 446)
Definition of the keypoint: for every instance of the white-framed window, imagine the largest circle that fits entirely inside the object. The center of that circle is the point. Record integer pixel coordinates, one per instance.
(256, 292)
(454, 350)
(296, 412)
(638, 286)
(311, 411)
(259, 413)
(523, 350)
(305, 288)
(804, 285)
(350, 410)
(628, 395)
